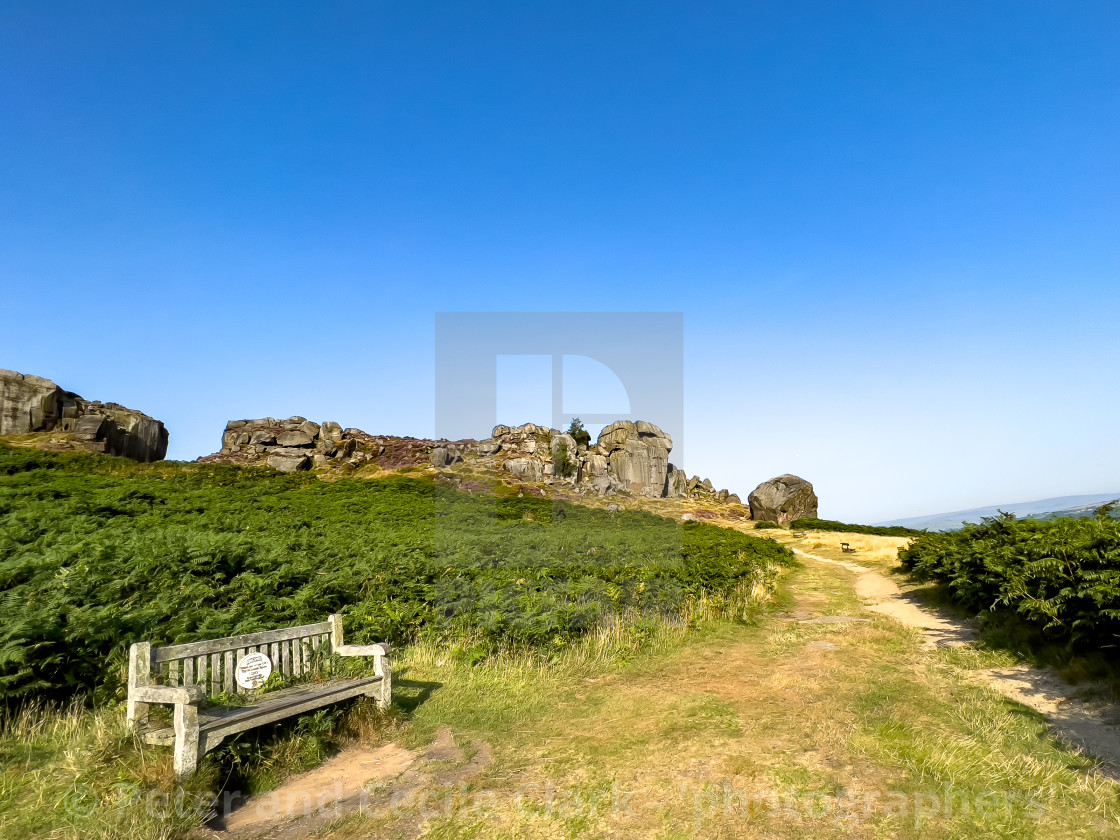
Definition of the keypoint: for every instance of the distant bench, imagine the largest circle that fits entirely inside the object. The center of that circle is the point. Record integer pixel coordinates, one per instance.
(187, 676)
(846, 547)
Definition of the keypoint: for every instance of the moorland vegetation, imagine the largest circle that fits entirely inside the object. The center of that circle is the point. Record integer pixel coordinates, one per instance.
(97, 552)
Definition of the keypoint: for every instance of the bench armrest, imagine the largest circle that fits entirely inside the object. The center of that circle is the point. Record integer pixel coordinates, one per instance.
(362, 650)
(188, 695)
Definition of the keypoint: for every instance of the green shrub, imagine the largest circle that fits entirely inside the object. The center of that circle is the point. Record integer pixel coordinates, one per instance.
(766, 523)
(562, 465)
(1060, 575)
(832, 525)
(98, 552)
(581, 435)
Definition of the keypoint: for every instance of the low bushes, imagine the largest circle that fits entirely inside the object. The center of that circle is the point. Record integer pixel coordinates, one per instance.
(873, 530)
(1062, 576)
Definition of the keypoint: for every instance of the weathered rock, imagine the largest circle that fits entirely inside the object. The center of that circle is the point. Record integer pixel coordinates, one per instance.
(782, 500)
(529, 469)
(262, 437)
(629, 457)
(613, 508)
(288, 461)
(676, 483)
(27, 403)
(637, 454)
(602, 484)
(594, 465)
(33, 404)
(295, 439)
(733, 499)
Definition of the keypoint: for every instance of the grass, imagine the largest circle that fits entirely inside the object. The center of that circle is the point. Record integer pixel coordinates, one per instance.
(717, 718)
(704, 726)
(69, 772)
(756, 730)
(74, 773)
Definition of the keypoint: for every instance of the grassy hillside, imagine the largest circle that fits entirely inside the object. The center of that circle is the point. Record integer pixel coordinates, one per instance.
(98, 552)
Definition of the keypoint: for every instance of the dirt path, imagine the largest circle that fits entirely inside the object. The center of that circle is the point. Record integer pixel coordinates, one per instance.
(1086, 723)
(356, 781)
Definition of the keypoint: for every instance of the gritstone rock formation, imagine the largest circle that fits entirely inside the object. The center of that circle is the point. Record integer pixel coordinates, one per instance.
(629, 457)
(298, 444)
(782, 500)
(30, 404)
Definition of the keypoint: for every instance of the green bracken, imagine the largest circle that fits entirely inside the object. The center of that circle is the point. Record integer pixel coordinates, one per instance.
(1062, 576)
(98, 552)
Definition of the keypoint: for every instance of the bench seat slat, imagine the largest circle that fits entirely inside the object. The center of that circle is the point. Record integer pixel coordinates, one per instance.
(170, 652)
(215, 681)
(224, 721)
(227, 672)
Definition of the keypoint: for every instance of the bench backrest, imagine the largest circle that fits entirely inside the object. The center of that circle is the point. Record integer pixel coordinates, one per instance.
(211, 664)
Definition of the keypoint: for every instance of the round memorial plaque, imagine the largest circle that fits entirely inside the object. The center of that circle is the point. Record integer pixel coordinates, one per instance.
(253, 670)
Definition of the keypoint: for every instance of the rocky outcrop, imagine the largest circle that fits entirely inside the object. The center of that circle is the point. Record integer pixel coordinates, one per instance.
(782, 500)
(298, 444)
(630, 457)
(32, 404)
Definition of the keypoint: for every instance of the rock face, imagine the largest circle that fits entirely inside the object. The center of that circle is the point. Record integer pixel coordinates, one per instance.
(782, 500)
(637, 456)
(299, 444)
(630, 457)
(30, 404)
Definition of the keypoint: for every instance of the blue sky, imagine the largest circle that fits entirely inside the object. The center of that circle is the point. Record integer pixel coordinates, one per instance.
(892, 228)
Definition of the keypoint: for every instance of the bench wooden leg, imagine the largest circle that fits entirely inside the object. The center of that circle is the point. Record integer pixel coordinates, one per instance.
(385, 696)
(139, 669)
(136, 715)
(186, 739)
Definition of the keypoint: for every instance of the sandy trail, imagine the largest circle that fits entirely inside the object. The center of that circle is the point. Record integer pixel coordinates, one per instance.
(1082, 722)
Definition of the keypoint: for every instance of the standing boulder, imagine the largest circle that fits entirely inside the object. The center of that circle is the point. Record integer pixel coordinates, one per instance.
(637, 456)
(782, 500)
(288, 460)
(676, 483)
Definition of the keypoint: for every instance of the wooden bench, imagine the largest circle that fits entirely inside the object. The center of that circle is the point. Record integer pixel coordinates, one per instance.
(196, 677)
(846, 548)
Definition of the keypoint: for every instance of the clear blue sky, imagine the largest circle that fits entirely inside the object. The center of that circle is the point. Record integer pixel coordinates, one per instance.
(893, 227)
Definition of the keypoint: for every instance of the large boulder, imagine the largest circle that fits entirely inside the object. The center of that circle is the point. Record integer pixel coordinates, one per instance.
(782, 500)
(33, 404)
(676, 483)
(529, 469)
(288, 460)
(637, 455)
(27, 403)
